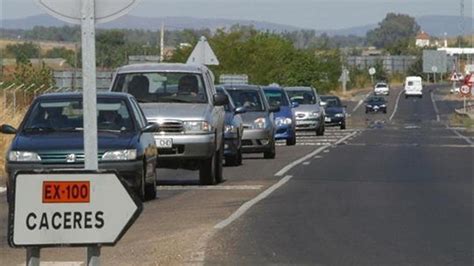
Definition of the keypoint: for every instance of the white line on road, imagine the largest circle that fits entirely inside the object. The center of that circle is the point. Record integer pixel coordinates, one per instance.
(307, 163)
(246, 206)
(191, 187)
(287, 168)
(396, 105)
(2, 189)
(461, 136)
(360, 102)
(435, 107)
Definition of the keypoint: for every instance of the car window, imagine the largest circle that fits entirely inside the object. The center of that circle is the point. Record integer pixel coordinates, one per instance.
(163, 87)
(332, 102)
(67, 115)
(276, 98)
(302, 96)
(250, 99)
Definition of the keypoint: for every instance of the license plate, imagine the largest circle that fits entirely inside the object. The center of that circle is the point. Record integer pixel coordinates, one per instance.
(66, 192)
(164, 143)
(327, 119)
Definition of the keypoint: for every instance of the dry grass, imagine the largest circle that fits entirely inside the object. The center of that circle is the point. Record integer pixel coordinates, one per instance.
(8, 117)
(44, 45)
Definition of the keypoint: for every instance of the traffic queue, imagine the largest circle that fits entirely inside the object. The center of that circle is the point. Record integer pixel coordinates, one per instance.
(168, 116)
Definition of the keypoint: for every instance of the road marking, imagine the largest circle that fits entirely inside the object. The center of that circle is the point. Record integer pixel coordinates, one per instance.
(306, 163)
(191, 187)
(435, 107)
(461, 136)
(288, 167)
(317, 157)
(360, 102)
(247, 205)
(2, 189)
(396, 105)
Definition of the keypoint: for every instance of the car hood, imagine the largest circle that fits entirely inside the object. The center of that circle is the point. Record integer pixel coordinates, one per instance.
(308, 108)
(334, 110)
(175, 111)
(285, 111)
(71, 141)
(250, 117)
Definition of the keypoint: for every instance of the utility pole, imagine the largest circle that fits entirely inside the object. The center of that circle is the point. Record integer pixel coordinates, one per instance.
(162, 42)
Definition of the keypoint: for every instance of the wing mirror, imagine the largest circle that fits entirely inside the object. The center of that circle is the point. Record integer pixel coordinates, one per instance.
(240, 110)
(295, 104)
(151, 127)
(274, 109)
(220, 99)
(7, 129)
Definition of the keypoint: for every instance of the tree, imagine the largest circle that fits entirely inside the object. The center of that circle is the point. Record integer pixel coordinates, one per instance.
(395, 29)
(61, 52)
(23, 51)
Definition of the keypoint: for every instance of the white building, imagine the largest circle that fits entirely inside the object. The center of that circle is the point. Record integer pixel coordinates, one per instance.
(422, 39)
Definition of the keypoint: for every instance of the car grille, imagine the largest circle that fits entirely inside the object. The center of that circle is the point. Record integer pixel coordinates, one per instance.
(171, 127)
(62, 157)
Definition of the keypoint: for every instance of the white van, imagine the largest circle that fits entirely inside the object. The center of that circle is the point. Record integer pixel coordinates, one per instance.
(413, 86)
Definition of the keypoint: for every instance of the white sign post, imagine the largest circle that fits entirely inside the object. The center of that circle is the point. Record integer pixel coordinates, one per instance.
(88, 13)
(344, 78)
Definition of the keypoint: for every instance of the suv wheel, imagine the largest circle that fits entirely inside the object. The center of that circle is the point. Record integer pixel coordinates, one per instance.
(219, 162)
(343, 124)
(207, 172)
(291, 141)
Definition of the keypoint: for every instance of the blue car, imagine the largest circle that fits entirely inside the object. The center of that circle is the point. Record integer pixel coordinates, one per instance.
(234, 128)
(284, 119)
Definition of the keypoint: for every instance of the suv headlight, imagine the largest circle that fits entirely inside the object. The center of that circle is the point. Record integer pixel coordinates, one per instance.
(197, 127)
(23, 156)
(259, 123)
(280, 121)
(120, 155)
(339, 115)
(230, 129)
(383, 105)
(314, 115)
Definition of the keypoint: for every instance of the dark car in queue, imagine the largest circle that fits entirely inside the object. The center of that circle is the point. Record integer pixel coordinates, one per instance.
(51, 136)
(335, 111)
(376, 104)
(234, 129)
(285, 120)
(259, 127)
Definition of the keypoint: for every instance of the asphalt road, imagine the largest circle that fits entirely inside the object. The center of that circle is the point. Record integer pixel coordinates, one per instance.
(393, 189)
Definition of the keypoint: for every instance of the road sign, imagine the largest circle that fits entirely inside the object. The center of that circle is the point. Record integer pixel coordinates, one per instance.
(203, 54)
(233, 79)
(454, 77)
(70, 208)
(70, 10)
(372, 71)
(465, 90)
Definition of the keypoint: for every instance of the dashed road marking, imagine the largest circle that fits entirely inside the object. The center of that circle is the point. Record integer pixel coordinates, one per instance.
(435, 107)
(361, 102)
(396, 105)
(2, 189)
(249, 204)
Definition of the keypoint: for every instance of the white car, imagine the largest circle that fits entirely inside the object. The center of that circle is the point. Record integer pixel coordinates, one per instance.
(381, 88)
(413, 86)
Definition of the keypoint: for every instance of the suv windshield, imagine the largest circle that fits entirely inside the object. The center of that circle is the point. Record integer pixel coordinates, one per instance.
(250, 99)
(302, 96)
(276, 97)
(67, 115)
(162, 87)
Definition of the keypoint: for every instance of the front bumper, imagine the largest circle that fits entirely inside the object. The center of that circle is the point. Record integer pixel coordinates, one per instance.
(130, 171)
(308, 124)
(187, 147)
(257, 140)
(284, 132)
(333, 120)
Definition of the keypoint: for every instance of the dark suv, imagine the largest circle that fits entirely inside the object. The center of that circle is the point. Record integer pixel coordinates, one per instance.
(51, 137)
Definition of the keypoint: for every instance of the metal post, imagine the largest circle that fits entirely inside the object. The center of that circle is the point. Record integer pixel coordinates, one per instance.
(464, 100)
(33, 256)
(89, 84)
(93, 256)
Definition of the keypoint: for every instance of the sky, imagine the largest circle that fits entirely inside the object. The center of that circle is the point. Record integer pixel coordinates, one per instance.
(311, 14)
